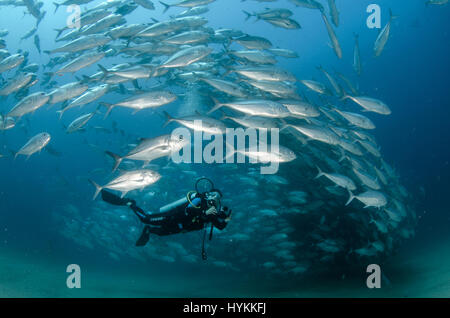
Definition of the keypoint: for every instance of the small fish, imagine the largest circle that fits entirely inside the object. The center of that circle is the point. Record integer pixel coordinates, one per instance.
(37, 43)
(356, 56)
(333, 37)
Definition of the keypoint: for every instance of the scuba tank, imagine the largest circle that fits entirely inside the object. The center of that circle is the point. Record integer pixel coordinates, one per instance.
(173, 205)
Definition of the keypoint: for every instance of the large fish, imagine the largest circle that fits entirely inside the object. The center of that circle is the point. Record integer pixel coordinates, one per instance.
(79, 122)
(264, 155)
(81, 62)
(34, 145)
(333, 37)
(88, 97)
(256, 107)
(370, 104)
(265, 73)
(383, 37)
(83, 43)
(369, 198)
(86, 19)
(198, 122)
(186, 4)
(270, 13)
(285, 23)
(357, 120)
(300, 108)
(254, 42)
(227, 87)
(188, 37)
(11, 62)
(334, 12)
(186, 57)
(103, 24)
(67, 91)
(129, 181)
(338, 179)
(150, 149)
(19, 81)
(144, 101)
(318, 133)
(255, 56)
(29, 104)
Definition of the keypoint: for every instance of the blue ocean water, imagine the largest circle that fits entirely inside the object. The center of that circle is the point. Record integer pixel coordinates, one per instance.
(410, 76)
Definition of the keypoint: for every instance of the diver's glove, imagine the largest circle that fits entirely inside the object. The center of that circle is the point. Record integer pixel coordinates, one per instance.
(211, 211)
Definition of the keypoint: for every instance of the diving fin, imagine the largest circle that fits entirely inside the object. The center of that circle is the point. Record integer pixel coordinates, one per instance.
(111, 198)
(145, 236)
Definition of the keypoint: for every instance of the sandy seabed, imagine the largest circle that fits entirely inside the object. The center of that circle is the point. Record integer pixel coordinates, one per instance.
(422, 271)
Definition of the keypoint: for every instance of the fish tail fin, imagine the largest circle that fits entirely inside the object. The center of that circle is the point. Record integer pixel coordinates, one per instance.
(109, 108)
(248, 15)
(56, 6)
(59, 31)
(97, 188)
(351, 197)
(166, 6)
(320, 173)
(217, 105)
(169, 118)
(104, 70)
(117, 159)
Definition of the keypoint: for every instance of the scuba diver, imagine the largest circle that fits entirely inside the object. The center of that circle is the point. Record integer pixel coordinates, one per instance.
(191, 213)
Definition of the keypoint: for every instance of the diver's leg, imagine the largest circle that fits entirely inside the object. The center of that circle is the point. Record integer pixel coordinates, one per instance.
(148, 229)
(141, 214)
(145, 236)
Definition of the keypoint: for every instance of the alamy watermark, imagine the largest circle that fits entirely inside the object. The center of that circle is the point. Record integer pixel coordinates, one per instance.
(374, 19)
(74, 20)
(74, 279)
(374, 279)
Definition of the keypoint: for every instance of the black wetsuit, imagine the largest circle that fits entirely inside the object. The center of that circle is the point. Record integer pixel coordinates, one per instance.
(184, 218)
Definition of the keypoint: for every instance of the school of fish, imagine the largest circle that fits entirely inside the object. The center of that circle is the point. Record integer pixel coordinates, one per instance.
(334, 198)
